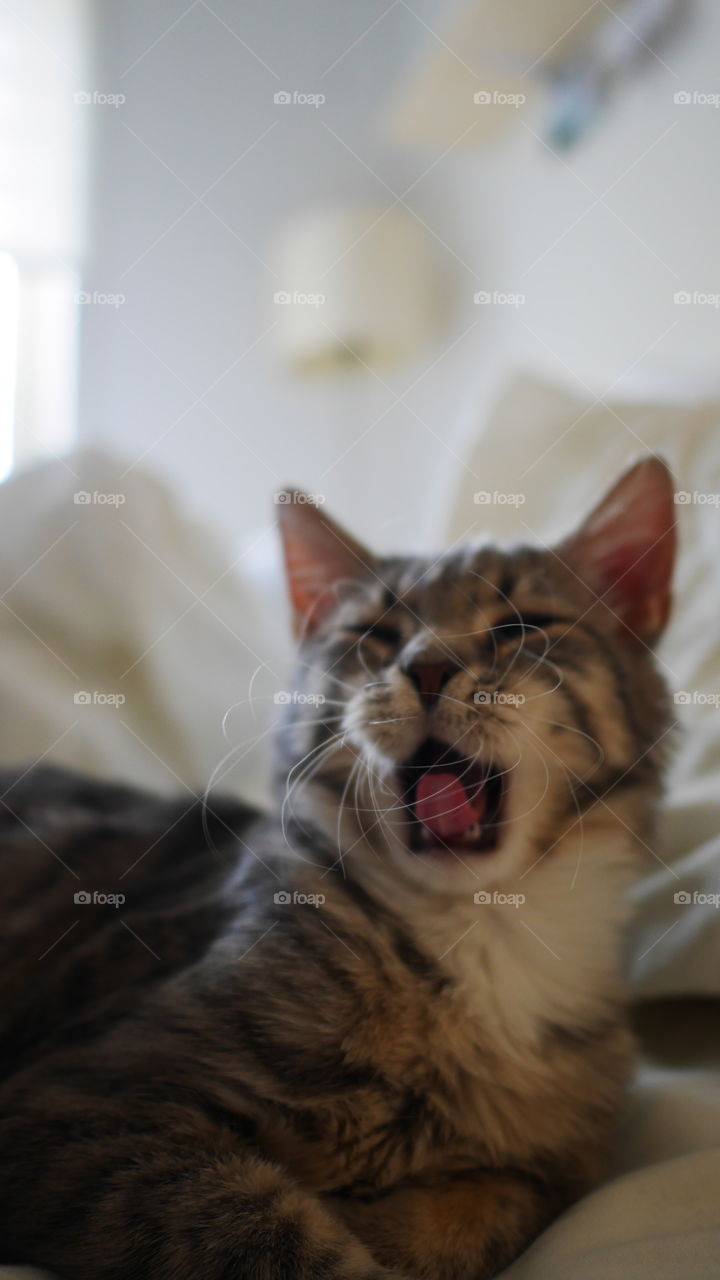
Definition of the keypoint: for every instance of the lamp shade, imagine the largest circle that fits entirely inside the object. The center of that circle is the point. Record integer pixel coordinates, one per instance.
(354, 287)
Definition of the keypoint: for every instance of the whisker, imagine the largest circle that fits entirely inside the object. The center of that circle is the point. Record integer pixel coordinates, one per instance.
(393, 719)
(304, 768)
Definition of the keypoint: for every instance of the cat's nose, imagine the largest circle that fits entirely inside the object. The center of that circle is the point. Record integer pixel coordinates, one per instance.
(430, 678)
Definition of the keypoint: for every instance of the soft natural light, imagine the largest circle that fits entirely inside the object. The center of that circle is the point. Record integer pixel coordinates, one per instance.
(9, 299)
(43, 129)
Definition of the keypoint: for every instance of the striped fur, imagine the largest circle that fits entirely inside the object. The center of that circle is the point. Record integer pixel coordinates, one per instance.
(314, 1054)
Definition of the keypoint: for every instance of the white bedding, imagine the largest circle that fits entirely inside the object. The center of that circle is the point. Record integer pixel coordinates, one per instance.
(135, 600)
(135, 603)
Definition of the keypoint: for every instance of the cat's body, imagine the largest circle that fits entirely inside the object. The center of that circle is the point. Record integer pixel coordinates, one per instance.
(337, 1043)
(385, 1035)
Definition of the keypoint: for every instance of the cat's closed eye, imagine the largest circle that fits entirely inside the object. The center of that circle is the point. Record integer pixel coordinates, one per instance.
(527, 626)
(375, 631)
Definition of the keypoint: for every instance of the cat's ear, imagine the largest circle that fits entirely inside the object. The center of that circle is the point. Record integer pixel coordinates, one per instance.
(319, 557)
(625, 549)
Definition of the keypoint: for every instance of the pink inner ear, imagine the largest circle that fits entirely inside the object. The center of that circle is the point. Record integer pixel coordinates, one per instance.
(312, 583)
(635, 582)
(625, 550)
(319, 557)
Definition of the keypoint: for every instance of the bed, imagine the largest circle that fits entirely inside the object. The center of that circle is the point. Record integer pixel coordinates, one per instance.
(110, 607)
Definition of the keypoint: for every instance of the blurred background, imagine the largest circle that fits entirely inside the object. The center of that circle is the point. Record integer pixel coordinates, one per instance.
(450, 266)
(252, 244)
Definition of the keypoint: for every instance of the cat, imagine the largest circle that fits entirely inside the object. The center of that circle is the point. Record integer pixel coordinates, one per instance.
(379, 1034)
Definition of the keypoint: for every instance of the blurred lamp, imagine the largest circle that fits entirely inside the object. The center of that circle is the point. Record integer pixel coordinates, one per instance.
(355, 287)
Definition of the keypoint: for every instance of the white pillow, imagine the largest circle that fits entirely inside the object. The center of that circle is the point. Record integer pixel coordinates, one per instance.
(126, 599)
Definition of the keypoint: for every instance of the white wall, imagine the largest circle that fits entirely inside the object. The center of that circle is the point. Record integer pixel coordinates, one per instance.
(602, 297)
(197, 297)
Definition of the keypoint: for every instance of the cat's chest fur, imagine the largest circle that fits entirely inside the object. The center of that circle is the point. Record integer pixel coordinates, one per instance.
(536, 953)
(498, 1063)
(540, 952)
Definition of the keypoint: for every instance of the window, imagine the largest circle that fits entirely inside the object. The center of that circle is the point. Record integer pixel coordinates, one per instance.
(43, 131)
(9, 315)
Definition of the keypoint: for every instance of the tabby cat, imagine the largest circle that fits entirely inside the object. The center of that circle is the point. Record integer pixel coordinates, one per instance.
(381, 1033)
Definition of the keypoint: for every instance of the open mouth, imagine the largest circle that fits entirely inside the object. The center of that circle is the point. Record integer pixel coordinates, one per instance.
(453, 803)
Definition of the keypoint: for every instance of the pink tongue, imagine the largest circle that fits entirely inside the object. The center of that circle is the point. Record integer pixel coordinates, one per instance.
(443, 807)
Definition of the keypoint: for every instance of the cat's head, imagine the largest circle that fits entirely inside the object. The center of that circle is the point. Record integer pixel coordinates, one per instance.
(456, 714)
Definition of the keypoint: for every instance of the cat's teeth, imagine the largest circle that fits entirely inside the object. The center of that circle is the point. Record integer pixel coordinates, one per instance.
(472, 834)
